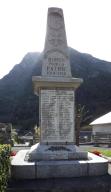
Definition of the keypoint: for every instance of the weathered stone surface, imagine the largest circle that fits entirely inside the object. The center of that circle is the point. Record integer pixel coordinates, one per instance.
(39, 152)
(56, 57)
(56, 85)
(21, 169)
(40, 82)
(97, 165)
(55, 169)
(57, 115)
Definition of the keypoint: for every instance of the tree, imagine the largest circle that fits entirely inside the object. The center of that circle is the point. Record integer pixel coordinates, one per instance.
(81, 113)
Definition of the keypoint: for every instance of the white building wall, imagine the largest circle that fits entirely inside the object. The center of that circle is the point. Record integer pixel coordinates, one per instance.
(105, 128)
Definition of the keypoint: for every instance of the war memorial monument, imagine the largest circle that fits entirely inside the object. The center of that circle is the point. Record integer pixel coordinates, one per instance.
(56, 155)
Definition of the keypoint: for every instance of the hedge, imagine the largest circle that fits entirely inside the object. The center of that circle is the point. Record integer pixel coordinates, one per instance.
(4, 166)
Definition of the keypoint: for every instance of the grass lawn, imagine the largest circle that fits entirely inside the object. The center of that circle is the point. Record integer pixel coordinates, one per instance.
(106, 152)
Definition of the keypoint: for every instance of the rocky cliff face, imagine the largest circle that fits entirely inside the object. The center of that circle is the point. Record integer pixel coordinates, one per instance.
(19, 105)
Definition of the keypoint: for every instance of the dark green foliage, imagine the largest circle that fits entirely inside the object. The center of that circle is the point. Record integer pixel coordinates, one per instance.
(95, 92)
(19, 105)
(4, 166)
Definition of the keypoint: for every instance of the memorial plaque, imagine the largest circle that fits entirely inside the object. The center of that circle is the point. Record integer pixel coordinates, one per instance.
(57, 115)
(56, 64)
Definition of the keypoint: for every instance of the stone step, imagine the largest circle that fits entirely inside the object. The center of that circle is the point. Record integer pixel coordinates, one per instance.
(83, 184)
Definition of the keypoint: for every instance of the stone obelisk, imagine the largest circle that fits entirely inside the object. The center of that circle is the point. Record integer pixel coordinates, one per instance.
(56, 58)
(56, 89)
(56, 155)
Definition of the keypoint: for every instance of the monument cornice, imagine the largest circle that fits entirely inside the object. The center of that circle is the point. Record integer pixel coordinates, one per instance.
(41, 82)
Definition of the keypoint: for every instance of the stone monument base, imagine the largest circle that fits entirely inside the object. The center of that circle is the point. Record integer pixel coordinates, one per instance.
(22, 169)
(39, 152)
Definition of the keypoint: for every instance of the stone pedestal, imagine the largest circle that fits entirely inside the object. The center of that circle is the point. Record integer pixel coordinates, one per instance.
(43, 152)
(22, 169)
(57, 113)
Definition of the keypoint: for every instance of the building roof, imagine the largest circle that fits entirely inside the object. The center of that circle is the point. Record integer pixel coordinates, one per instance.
(105, 119)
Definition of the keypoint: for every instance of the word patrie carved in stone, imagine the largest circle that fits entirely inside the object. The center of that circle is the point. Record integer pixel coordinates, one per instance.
(56, 58)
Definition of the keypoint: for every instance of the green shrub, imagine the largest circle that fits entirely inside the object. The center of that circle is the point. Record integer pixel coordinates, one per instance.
(4, 166)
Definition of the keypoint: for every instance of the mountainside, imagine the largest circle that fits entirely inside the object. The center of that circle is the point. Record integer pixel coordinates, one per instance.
(19, 105)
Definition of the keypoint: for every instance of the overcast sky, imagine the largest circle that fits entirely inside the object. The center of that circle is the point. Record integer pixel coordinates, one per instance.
(23, 27)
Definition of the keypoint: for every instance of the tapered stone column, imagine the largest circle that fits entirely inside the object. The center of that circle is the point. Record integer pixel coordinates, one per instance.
(56, 57)
(56, 90)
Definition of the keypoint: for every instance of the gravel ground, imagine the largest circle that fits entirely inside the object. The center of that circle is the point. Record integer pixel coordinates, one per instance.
(82, 147)
(109, 169)
(88, 147)
(19, 148)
